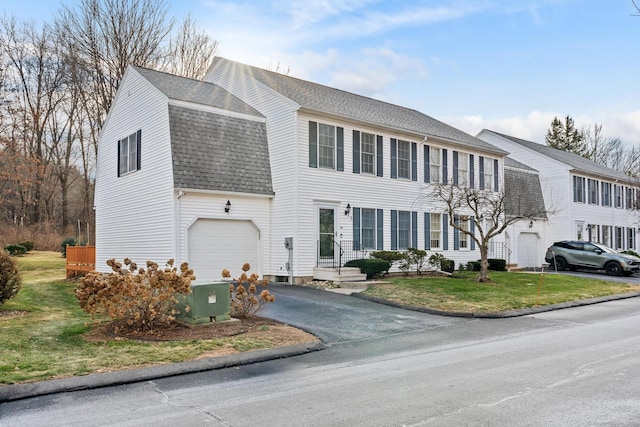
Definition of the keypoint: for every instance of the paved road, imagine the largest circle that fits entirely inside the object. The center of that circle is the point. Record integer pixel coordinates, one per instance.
(389, 367)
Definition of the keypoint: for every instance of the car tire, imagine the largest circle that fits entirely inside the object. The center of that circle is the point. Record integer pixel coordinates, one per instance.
(613, 269)
(561, 264)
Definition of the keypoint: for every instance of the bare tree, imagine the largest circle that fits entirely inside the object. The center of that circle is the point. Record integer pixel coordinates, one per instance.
(35, 78)
(190, 52)
(486, 209)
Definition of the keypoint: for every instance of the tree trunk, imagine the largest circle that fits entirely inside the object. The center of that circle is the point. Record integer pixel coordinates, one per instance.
(483, 276)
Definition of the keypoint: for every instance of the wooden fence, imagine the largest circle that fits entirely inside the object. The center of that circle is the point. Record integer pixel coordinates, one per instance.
(80, 259)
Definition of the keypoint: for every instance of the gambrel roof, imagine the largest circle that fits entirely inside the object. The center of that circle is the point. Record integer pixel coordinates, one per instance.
(322, 99)
(223, 148)
(578, 163)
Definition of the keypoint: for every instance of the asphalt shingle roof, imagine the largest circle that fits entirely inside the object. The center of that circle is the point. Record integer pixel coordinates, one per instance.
(217, 152)
(212, 150)
(523, 192)
(578, 163)
(324, 99)
(195, 91)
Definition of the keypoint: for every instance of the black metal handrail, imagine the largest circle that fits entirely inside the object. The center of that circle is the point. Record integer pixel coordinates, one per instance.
(345, 250)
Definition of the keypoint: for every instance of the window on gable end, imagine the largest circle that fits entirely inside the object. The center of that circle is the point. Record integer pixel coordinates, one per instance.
(129, 153)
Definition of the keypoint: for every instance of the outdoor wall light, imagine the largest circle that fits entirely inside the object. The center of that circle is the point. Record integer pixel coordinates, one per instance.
(531, 224)
(347, 211)
(227, 207)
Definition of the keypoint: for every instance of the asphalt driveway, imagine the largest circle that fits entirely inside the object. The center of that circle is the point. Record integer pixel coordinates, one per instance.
(336, 318)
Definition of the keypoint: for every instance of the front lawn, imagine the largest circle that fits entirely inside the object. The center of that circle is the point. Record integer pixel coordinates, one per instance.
(507, 291)
(44, 332)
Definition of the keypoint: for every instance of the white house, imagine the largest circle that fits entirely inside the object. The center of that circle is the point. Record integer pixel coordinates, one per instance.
(585, 200)
(313, 175)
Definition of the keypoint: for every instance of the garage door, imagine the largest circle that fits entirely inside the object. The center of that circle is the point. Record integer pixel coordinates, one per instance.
(216, 244)
(529, 250)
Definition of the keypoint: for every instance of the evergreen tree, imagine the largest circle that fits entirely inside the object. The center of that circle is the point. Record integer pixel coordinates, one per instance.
(564, 136)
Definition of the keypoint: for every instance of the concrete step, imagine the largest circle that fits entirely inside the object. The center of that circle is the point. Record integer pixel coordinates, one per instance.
(347, 274)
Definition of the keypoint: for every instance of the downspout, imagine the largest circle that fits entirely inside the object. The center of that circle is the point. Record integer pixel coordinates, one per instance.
(178, 228)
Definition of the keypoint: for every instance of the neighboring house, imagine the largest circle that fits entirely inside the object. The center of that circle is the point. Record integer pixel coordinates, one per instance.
(171, 154)
(288, 175)
(585, 200)
(524, 198)
(352, 174)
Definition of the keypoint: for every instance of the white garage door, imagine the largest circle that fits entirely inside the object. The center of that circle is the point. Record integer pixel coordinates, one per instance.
(529, 250)
(216, 244)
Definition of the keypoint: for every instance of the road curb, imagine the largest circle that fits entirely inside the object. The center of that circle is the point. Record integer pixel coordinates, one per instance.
(14, 392)
(504, 314)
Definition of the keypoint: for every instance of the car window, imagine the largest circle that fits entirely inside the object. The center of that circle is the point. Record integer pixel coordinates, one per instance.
(576, 245)
(591, 248)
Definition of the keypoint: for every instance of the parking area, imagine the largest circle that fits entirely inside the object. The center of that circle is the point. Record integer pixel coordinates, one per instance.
(599, 274)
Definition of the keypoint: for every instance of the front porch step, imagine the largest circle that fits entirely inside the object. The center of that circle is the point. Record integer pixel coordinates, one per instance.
(347, 274)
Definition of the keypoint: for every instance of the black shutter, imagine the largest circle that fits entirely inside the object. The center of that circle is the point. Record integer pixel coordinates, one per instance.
(379, 156)
(313, 144)
(414, 161)
(445, 169)
(356, 229)
(427, 230)
(414, 230)
(481, 172)
(340, 149)
(472, 229)
(427, 172)
(394, 230)
(356, 151)
(456, 233)
(471, 172)
(455, 168)
(394, 158)
(380, 229)
(139, 149)
(445, 232)
(119, 143)
(495, 175)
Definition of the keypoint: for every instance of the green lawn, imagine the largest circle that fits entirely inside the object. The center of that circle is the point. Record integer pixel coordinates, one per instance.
(47, 341)
(507, 291)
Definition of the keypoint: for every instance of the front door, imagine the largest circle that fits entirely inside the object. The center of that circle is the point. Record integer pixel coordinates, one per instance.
(326, 236)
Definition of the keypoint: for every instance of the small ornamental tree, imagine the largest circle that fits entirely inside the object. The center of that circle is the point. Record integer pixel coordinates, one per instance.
(244, 301)
(137, 299)
(10, 280)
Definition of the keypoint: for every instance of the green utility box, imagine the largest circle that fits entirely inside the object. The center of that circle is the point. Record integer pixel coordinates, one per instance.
(208, 302)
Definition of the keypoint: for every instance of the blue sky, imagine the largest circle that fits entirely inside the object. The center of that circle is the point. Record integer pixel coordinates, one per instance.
(506, 65)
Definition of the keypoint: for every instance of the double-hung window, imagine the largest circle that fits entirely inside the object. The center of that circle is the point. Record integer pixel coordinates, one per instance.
(404, 230)
(488, 174)
(367, 153)
(606, 193)
(435, 162)
(463, 169)
(617, 196)
(129, 153)
(629, 197)
(578, 189)
(464, 237)
(326, 146)
(368, 228)
(592, 190)
(435, 232)
(404, 159)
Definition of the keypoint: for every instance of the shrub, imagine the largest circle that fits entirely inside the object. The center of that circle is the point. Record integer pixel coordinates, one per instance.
(417, 257)
(372, 267)
(68, 241)
(447, 265)
(244, 302)
(137, 299)
(10, 280)
(473, 266)
(28, 244)
(497, 264)
(435, 261)
(631, 252)
(15, 249)
(391, 256)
